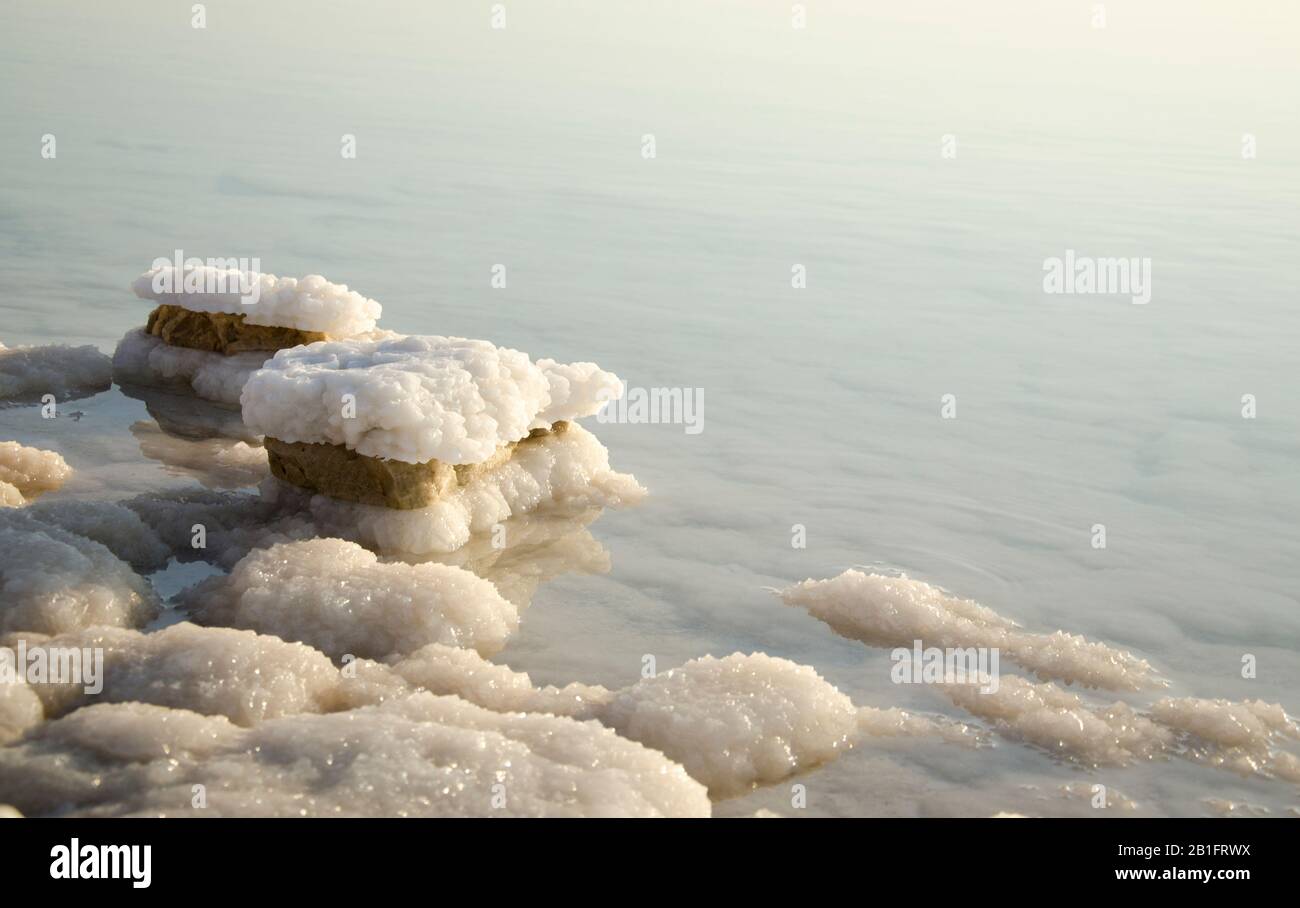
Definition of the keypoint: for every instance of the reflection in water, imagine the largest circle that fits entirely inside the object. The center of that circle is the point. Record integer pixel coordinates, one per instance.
(217, 463)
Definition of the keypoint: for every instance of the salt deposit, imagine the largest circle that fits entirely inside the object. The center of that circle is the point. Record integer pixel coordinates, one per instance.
(733, 723)
(114, 526)
(308, 304)
(417, 756)
(243, 676)
(1237, 736)
(145, 360)
(20, 706)
(1241, 737)
(414, 399)
(444, 669)
(896, 611)
(339, 598)
(1063, 723)
(26, 473)
(29, 373)
(576, 390)
(737, 721)
(53, 581)
(569, 470)
(893, 722)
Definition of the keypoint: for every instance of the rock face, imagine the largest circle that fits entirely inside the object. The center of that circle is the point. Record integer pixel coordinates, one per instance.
(220, 332)
(339, 472)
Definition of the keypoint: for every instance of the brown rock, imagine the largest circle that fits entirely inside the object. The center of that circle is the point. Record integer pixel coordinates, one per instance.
(340, 472)
(222, 332)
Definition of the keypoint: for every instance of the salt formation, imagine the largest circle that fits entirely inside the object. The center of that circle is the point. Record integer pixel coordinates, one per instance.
(143, 359)
(1063, 723)
(112, 525)
(26, 473)
(417, 756)
(734, 723)
(1234, 736)
(53, 581)
(882, 610)
(311, 304)
(210, 342)
(737, 721)
(243, 676)
(569, 469)
(339, 598)
(442, 669)
(1241, 737)
(20, 706)
(29, 373)
(417, 399)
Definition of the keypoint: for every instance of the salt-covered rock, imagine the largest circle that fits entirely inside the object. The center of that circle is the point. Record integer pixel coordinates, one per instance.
(142, 359)
(220, 332)
(414, 399)
(309, 304)
(569, 470)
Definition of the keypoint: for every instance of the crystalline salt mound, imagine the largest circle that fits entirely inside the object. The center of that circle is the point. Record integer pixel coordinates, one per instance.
(417, 756)
(737, 721)
(53, 581)
(416, 398)
(308, 304)
(112, 525)
(340, 599)
(243, 676)
(27, 472)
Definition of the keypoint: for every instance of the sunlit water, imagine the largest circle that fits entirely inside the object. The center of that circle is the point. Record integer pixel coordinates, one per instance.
(774, 147)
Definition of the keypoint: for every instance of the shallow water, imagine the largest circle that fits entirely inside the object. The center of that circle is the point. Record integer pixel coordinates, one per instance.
(774, 147)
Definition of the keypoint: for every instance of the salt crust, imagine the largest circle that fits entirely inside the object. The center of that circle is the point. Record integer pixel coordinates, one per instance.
(308, 304)
(53, 581)
(895, 611)
(420, 755)
(417, 398)
(28, 373)
(142, 359)
(340, 599)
